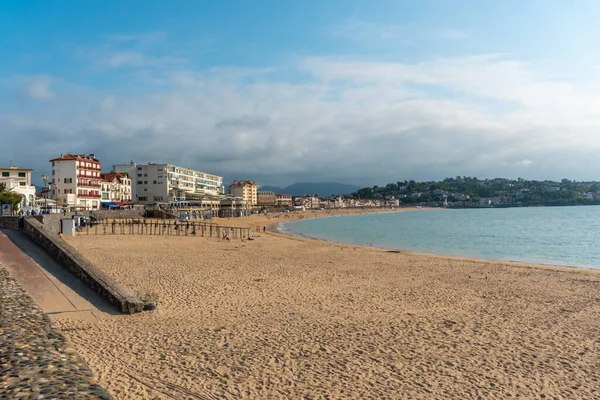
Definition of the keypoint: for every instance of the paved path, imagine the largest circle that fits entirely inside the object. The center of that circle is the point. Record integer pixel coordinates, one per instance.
(55, 289)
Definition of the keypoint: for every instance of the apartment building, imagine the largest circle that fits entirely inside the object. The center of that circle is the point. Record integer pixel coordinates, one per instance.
(18, 180)
(76, 181)
(157, 183)
(284, 200)
(247, 190)
(116, 188)
(266, 198)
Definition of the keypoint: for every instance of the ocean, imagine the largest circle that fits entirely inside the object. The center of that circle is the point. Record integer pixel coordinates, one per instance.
(565, 236)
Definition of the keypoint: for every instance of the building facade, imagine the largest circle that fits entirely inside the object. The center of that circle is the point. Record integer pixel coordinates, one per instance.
(284, 200)
(247, 190)
(167, 183)
(76, 181)
(266, 198)
(116, 187)
(18, 180)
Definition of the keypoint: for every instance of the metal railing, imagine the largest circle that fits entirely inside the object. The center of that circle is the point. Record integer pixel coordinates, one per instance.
(163, 228)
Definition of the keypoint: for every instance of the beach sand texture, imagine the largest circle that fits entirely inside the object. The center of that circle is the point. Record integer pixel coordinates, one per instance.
(282, 317)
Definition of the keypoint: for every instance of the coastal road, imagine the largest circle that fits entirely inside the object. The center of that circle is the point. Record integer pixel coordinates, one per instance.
(58, 292)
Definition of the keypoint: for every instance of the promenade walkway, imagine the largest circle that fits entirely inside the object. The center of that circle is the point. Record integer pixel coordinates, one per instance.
(55, 290)
(36, 359)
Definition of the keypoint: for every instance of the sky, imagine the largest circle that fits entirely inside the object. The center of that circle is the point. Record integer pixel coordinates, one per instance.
(358, 92)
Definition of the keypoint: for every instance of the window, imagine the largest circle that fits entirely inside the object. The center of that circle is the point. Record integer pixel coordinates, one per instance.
(21, 183)
(160, 169)
(65, 180)
(139, 175)
(22, 175)
(5, 173)
(154, 182)
(65, 191)
(139, 182)
(143, 198)
(145, 189)
(145, 182)
(158, 198)
(145, 174)
(160, 183)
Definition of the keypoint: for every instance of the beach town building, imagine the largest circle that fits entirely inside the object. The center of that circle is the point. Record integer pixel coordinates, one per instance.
(308, 201)
(247, 190)
(18, 180)
(116, 189)
(76, 181)
(266, 198)
(283, 200)
(167, 183)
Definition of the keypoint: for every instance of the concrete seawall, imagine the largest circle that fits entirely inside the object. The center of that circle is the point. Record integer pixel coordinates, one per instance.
(87, 272)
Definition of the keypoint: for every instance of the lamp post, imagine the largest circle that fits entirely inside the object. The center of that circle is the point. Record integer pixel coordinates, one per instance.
(45, 179)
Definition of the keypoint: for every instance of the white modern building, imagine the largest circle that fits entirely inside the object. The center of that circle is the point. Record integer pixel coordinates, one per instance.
(18, 180)
(76, 181)
(167, 183)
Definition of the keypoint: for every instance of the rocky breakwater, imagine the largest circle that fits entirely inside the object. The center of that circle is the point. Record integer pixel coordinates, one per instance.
(36, 360)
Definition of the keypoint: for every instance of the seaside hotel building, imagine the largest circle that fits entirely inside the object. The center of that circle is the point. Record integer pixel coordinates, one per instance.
(76, 182)
(167, 183)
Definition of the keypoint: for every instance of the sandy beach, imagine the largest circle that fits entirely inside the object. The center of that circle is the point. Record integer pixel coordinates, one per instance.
(282, 317)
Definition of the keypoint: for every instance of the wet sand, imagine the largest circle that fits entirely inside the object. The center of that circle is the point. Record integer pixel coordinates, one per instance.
(283, 317)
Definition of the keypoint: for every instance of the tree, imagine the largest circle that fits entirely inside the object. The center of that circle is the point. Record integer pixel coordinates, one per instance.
(7, 197)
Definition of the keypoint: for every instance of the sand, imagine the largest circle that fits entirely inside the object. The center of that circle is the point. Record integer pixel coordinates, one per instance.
(282, 317)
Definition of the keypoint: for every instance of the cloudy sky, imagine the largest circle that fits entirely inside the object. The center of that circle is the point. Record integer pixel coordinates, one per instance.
(278, 91)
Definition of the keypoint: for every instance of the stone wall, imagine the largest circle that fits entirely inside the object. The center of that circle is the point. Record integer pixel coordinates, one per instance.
(9, 222)
(67, 256)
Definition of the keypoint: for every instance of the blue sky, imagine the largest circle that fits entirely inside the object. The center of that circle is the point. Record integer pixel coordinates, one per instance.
(283, 91)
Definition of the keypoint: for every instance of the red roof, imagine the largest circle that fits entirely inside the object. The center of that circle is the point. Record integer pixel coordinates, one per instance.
(70, 157)
(111, 176)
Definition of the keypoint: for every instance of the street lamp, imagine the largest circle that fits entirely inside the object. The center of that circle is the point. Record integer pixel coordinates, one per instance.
(45, 179)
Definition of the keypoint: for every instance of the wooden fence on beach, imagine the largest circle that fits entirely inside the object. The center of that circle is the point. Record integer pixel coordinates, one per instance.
(162, 228)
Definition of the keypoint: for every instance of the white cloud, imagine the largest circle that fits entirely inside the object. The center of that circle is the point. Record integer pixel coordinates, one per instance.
(138, 39)
(135, 59)
(451, 34)
(370, 32)
(354, 121)
(38, 88)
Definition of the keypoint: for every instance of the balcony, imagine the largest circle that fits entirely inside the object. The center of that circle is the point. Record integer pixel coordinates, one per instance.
(89, 196)
(89, 185)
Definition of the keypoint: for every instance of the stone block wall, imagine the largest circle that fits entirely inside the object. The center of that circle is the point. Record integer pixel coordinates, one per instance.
(9, 222)
(67, 256)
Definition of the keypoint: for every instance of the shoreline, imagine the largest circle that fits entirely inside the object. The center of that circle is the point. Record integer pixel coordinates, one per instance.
(290, 317)
(569, 268)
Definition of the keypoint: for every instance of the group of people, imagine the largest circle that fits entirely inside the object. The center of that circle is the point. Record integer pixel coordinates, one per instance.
(32, 212)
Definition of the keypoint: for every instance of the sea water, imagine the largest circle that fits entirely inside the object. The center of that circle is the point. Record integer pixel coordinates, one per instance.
(567, 236)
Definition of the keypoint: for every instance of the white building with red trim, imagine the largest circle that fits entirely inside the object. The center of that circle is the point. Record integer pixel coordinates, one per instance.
(76, 182)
